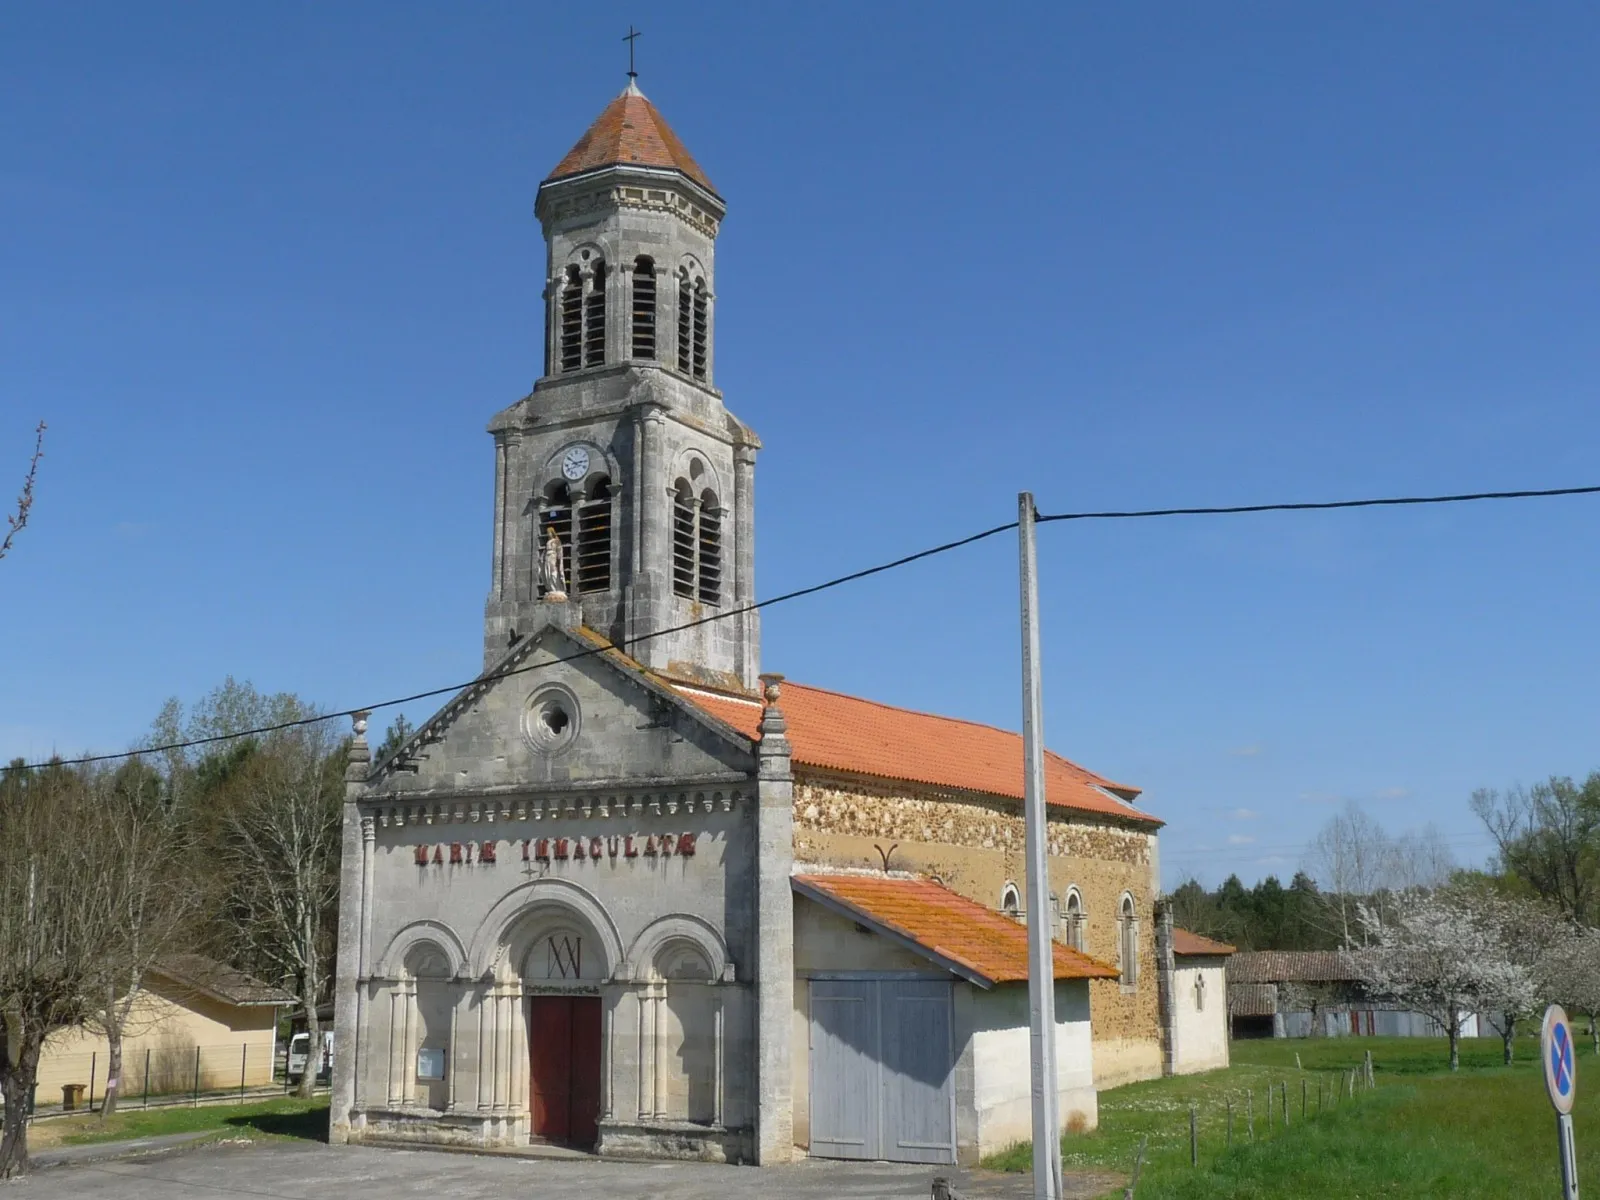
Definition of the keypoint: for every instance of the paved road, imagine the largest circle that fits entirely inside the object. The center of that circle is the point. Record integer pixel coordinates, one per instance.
(307, 1171)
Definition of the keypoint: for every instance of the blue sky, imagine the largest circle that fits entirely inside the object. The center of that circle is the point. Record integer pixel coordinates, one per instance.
(268, 271)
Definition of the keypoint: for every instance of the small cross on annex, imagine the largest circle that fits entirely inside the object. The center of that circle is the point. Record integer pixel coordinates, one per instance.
(654, 902)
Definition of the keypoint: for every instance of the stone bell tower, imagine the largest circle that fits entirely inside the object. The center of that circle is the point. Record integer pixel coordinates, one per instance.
(624, 450)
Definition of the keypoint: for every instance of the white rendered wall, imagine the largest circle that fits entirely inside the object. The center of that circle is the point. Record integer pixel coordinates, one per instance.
(1001, 1091)
(1202, 1031)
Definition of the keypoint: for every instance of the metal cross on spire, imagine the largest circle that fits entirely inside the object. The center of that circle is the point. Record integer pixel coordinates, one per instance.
(632, 36)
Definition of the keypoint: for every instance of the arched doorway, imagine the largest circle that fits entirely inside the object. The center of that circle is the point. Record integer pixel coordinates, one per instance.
(561, 971)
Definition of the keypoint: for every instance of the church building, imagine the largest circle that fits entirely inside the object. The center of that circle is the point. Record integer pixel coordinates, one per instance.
(627, 893)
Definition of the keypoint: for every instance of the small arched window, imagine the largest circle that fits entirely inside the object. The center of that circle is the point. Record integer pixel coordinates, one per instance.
(1011, 900)
(644, 307)
(1199, 992)
(594, 317)
(1127, 941)
(701, 328)
(555, 516)
(572, 320)
(683, 540)
(710, 548)
(1073, 918)
(685, 322)
(593, 551)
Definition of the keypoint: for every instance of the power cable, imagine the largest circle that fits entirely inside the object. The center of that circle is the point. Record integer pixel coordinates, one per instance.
(490, 678)
(1228, 510)
(1316, 505)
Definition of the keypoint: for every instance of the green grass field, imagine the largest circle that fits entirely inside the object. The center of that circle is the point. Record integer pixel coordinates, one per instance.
(1487, 1132)
(284, 1117)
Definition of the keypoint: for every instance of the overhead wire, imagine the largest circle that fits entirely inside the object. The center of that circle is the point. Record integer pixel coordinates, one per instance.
(839, 581)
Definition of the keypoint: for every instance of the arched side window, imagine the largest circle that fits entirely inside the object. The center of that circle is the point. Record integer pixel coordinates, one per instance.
(592, 554)
(683, 540)
(572, 320)
(555, 516)
(1127, 941)
(594, 317)
(1199, 992)
(701, 328)
(710, 548)
(685, 322)
(644, 307)
(1073, 918)
(1011, 900)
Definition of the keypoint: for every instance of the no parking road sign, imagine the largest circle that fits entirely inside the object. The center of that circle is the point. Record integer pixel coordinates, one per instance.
(1561, 1081)
(1560, 1063)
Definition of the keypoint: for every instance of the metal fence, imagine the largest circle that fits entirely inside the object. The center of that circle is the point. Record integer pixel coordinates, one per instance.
(163, 1074)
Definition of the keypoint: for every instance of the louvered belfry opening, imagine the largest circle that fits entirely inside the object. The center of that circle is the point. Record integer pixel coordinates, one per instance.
(594, 317)
(555, 513)
(644, 308)
(683, 540)
(700, 328)
(572, 320)
(594, 537)
(685, 322)
(710, 549)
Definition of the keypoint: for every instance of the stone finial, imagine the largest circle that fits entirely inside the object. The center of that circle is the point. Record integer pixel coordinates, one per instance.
(356, 766)
(774, 729)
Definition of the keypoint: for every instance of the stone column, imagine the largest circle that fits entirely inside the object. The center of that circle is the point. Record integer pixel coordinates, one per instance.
(355, 866)
(502, 1049)
(486, 1048)
(774, 935)
(659, 1052)
(1167, 988)
(655, 539)
(718, 1051)
(646, 1056)
(744, 559)
(497, 582)
(395, 1090)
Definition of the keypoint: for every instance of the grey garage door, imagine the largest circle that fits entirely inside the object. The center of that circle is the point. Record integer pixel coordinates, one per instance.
(882, 1070)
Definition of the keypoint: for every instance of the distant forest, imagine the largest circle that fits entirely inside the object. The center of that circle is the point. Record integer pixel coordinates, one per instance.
(1267, 916)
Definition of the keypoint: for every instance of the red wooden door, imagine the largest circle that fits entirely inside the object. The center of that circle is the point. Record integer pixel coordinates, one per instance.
(564, 1054)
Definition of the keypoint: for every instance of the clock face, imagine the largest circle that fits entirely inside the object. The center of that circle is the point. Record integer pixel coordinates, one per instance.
(575, 463)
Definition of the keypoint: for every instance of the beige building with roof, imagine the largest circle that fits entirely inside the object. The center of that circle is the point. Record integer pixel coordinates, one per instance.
(195, 1022)
(626, 893)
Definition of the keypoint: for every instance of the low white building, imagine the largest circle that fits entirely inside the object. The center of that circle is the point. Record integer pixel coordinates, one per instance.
(1199, 1003)
(896, 978)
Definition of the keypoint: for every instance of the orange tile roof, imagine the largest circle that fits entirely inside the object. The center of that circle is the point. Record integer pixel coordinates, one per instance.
(629, 131)
(976, 942)
(846, 733)
(1186, 944)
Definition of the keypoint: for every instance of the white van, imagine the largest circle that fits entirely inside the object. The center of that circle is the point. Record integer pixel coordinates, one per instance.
(298, 1046)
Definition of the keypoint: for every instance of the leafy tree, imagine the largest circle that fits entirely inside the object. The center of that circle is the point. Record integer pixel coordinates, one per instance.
(399, 733)
(1548, 836)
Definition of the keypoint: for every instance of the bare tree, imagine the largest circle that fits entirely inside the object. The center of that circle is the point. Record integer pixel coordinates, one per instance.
(1549, 837)
(1349, 858)
(57, 928)
(15, 521)
(152, 899)
(280, 845)
(1440, 956)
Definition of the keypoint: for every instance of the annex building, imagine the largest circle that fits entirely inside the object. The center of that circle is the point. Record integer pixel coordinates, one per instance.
(628, 893)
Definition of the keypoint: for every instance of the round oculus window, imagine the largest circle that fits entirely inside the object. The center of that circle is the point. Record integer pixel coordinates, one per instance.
(550, 721)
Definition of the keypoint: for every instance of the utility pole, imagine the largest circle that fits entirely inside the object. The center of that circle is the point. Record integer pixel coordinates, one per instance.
(1041, 952)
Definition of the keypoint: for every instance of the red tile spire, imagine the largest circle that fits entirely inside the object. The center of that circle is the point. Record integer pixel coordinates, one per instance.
(630, 132)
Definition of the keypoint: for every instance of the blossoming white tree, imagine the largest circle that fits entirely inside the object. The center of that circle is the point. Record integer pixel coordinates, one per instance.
(1573, 975)
(1442, 955)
